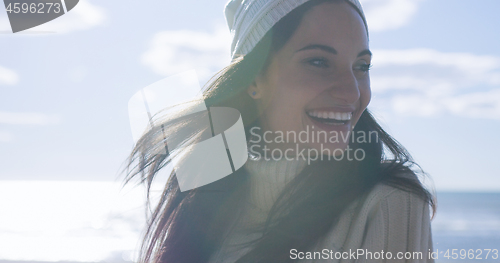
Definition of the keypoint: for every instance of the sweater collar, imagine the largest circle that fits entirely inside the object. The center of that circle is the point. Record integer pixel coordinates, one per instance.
(268, 178)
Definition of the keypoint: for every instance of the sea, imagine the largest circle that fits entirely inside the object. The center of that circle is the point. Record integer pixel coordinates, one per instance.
(76, 221)
(467, 224)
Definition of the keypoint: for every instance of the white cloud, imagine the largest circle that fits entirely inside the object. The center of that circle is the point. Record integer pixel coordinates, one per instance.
(8, 76)
(476, 105)
(27, 118)
(82, 17)
(427, 82)
(384, 15)
(463, 61)
(171, 52)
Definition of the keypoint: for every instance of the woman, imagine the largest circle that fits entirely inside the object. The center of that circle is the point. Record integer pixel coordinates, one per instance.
(298, 66)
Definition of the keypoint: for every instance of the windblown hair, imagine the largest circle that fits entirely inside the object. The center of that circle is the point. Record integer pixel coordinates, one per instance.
(190, 226)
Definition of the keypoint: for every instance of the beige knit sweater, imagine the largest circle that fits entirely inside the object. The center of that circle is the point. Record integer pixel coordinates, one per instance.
(391, 222)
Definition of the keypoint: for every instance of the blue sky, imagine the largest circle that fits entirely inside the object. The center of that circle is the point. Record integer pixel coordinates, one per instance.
(65, 85)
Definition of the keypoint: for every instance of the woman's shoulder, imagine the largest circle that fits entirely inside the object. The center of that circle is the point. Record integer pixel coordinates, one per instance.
(390, 218)
(392, 197)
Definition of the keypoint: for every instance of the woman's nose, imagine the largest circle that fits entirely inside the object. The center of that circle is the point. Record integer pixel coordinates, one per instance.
(344, 88)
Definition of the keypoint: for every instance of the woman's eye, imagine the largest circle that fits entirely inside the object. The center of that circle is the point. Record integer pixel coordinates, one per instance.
(318, 62)
(364, 67)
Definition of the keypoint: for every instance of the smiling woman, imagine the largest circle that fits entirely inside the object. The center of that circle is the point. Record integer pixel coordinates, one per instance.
(297, 66)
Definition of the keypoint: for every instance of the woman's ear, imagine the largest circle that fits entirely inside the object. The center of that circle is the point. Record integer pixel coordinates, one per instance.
(254, 91)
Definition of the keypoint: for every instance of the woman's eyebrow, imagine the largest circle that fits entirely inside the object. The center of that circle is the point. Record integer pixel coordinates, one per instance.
(331, 49)
(318, 46)
(364, 52)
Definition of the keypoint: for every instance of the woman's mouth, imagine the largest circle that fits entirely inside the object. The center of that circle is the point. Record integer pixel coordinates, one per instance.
(330, 117)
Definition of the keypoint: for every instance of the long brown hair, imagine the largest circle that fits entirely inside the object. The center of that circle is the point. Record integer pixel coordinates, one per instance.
(189, 226)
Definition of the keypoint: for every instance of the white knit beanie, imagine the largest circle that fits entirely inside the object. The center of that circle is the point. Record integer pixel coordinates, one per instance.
(249, 20)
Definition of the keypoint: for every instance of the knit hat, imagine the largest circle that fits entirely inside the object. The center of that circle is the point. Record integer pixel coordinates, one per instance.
(249, 20)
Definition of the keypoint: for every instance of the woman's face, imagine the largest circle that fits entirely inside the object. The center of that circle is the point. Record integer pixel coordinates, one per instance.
(318, 81)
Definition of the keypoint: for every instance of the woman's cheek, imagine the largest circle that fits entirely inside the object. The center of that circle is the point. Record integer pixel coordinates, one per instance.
(366, 94)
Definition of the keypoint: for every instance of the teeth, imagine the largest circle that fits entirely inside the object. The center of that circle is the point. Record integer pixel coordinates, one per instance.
(340, 116)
